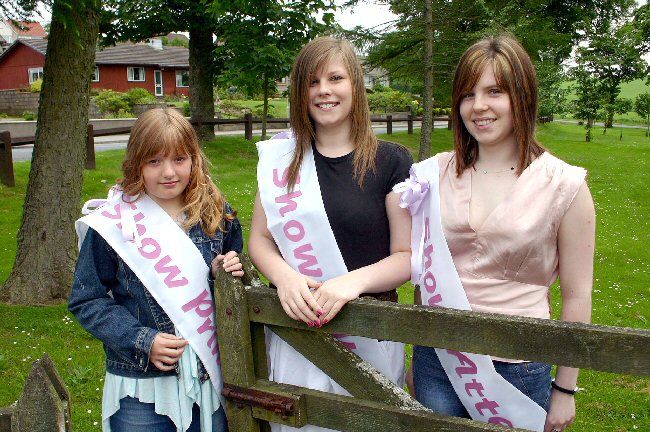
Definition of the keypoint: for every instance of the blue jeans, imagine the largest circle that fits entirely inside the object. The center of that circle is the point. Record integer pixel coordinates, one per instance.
(433, 389)
(136, 416)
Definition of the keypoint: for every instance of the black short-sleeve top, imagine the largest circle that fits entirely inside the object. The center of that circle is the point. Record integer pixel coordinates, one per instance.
(357, 214)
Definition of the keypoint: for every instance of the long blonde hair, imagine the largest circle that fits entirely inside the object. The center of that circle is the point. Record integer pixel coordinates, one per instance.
(515, 74)
(165, 130)
(312, 57)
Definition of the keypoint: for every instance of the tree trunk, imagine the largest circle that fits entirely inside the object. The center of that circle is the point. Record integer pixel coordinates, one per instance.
(265, 110)
(201, 77)
(610, 119)
(427, 116)
(47, 243)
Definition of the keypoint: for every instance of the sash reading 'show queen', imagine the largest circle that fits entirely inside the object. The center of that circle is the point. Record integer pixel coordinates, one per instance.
(168, 264)
(486, 395)
(299, 225)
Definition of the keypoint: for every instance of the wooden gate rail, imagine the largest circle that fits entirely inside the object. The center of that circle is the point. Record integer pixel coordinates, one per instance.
(245, 306)
(605, 348)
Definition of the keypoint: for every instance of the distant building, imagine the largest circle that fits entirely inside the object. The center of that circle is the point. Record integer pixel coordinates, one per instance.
(371, 77)
(374, 76)
(161, 70)
(10, 31)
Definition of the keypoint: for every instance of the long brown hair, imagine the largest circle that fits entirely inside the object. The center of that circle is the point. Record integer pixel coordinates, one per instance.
(514, 74)
(165, 130)
(312, 57)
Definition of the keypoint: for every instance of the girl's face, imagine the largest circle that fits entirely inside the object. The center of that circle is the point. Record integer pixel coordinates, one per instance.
(330, 96)
(166, 177)
(487, 112)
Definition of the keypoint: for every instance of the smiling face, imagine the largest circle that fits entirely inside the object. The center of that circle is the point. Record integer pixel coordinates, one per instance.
(486, 111)
(330, 96)
(165, 178)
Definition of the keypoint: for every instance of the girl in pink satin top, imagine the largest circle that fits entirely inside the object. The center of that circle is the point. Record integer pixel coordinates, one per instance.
(515, 218)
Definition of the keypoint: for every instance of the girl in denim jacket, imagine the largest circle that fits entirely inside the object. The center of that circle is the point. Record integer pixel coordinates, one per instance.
(154, 339)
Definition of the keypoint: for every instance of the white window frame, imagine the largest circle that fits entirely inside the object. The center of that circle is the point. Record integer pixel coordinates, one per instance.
(130, 73)
(179, 78)
(30, 74)
(95, 77)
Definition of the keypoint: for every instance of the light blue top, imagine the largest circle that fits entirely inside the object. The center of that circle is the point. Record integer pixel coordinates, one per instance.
(173, 396)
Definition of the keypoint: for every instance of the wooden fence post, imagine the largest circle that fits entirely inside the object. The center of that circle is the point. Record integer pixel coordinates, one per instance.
(236, 354)
(248, 126)
(90, 148)
(389, 124)
(44, 405)
(6, 160)
(449, 123)
(410, 124)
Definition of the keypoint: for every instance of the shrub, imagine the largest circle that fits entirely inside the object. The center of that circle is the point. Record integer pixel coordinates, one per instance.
(186, 110)
(122, 114)
(231, 108)
(111, 102)
(139, 96)
(258, 111)
(35, 87)
(29, 116)
(388, 100)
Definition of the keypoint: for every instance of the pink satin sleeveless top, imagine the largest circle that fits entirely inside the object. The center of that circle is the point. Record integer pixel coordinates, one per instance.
(507, 265)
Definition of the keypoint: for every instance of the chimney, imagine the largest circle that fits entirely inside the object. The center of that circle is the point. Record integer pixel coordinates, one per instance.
(156, 43)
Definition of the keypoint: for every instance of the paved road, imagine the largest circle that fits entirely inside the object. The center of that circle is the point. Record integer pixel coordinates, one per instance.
(113, 142)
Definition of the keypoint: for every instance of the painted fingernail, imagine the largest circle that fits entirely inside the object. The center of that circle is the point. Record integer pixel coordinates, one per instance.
(318, 322)
(310, 324)
(320, 312)
(325, 321)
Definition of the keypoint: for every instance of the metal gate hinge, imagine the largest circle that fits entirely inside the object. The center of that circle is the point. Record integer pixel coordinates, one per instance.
(279, 404)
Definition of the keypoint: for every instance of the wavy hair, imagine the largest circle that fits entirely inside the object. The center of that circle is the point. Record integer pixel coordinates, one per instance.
(515, 74)
(312, 58)
(163, 131)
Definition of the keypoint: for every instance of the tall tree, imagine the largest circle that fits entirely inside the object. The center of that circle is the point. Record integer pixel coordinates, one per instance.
(47, 247)
(589, 98)
(642, 107)
(137, 20)
(427, 116)
(613, 55)
(261, 38)
(549, 30)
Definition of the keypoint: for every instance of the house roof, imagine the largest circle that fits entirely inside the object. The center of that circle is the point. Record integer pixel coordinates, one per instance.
(38, 45)
(142, 54)
(128, 53)
(177, 36)
(24, 28)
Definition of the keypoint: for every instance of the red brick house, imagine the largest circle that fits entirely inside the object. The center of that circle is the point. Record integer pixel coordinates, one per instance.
(162, 70)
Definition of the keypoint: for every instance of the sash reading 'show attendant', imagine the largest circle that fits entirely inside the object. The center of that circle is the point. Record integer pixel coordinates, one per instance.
(143, 281)
(495, 222)
(327, 227)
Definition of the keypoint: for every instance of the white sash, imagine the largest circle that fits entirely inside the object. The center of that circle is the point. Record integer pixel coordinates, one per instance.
(168, 264)
(301, 229)
(486, 395)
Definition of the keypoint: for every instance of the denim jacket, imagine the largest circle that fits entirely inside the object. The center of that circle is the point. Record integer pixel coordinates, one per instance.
(111, 303)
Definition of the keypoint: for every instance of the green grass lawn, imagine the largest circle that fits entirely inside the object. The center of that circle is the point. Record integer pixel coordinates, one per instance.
(618, 177)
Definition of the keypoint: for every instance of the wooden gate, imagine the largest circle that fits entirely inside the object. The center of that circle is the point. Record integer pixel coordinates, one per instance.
(245, 306)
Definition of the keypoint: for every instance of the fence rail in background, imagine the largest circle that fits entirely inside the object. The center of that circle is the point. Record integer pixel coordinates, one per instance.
(7, 142)
(245, 306)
